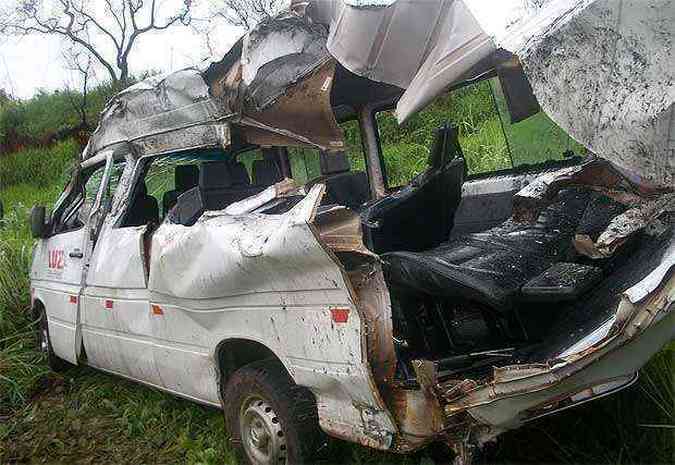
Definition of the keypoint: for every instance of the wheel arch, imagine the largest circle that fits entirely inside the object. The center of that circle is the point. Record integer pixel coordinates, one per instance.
(232, 354)
(36, 307)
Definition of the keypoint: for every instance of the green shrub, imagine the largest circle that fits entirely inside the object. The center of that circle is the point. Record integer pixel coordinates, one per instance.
(47, 113)
(38, 167)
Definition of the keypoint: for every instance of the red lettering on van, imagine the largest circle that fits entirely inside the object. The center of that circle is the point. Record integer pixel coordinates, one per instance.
(56, 259)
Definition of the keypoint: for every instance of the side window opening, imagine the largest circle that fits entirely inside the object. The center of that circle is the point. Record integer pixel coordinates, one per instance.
(489, 141)
(343, 172)
(535, 140)
(180, 187)
(75, 212)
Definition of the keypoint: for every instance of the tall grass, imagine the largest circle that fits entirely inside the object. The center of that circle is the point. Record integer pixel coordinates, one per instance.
(38, 167)
(20, 363)
(26, 177)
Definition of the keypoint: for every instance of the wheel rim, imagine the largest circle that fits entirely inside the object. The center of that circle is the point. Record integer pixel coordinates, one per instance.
(261, 433)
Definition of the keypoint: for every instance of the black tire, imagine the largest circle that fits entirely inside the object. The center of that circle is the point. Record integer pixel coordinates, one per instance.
(45, 345)
(262, 391)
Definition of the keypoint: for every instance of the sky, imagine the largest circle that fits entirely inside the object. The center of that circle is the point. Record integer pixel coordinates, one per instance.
(30, 63)
(35, 62)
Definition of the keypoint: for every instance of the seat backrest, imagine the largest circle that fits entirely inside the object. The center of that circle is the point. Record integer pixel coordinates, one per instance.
(215, 180)
(185, 177)
(239, 175)
(420, 215)
(333, 162)
(144, 208)
(189, 207)
(265, 172)
(350, 189)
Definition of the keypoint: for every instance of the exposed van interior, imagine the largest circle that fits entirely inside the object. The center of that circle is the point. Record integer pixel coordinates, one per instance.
(493, 294)
(471, 288)
(513, 293)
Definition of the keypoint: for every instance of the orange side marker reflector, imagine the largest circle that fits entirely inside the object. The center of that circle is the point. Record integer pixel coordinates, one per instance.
(157, 310)
(340, 315)
(109, 304)
(72, 299)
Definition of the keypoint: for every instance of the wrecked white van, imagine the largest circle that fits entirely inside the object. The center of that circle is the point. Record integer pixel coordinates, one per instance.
(216, 241)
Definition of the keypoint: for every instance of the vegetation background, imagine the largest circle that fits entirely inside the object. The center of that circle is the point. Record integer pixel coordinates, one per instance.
(84, 416)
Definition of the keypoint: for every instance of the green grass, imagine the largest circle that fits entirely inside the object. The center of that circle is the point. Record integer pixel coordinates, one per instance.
(37, 167)
(27, 178)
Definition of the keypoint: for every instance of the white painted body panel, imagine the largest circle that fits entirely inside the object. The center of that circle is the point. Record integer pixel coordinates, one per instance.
(263, 278)
(56, 280)
(119, 339)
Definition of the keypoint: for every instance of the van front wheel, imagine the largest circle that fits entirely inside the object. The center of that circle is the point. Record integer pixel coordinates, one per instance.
(271, 420)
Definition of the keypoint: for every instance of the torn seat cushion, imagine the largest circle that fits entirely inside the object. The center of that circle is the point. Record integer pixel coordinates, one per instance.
(491, 266)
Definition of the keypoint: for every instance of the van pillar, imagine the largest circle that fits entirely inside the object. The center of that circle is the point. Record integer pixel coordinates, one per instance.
(371, 147)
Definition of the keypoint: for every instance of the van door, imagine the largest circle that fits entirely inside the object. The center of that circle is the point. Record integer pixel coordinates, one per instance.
(116, 320)
(60, 261)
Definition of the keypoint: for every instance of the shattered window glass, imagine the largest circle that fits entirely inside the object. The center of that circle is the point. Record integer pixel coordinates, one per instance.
(77, 213)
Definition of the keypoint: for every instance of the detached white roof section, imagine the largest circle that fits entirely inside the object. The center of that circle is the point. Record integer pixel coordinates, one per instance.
(601, 69)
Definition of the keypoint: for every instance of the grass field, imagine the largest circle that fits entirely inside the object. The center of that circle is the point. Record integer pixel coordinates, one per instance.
(84, 416)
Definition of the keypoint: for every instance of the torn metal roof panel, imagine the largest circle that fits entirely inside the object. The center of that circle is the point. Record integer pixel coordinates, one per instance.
(153, 108)
(605, 72)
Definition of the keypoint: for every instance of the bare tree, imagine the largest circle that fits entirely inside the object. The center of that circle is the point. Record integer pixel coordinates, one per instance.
(80, 63)
(120, 23)
(247, 13)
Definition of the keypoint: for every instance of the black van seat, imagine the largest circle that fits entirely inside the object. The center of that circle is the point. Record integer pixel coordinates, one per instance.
(185, 177)
(491, 266)
(350, 189)
(265, 172)
(239, 175)
(144, 208)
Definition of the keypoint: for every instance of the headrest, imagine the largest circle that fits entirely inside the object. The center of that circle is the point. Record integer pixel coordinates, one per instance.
(269, 153)
(265, 172)
(215, 175)
(333, 162)
(186, 176)
(239, 174)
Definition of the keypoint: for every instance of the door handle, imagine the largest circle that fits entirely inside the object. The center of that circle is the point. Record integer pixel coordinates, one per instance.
(76, 254)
